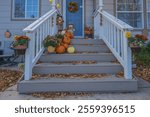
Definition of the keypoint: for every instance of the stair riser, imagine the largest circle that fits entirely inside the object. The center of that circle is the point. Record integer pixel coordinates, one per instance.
(77, 69)
(77, 57)
(86, 41)
(84, 48)
(87, 86)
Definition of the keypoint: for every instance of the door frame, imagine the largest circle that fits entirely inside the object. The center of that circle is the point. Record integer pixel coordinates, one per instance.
(83, 16)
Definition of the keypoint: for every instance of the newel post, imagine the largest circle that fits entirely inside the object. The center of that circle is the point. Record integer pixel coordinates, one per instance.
(127, 59)
(101, 4)
(29, 56)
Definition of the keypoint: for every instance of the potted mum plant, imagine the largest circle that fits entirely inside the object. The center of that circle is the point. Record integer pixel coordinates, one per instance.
(88, 31)
(136, 42)
(20, 44)
(51, 42)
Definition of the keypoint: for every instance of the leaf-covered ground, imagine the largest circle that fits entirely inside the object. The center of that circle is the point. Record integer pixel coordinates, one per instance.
(142, 72)
(8, 78)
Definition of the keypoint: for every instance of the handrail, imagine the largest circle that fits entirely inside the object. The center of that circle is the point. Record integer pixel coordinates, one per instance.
(35, 24)
(37, 32)
(112, 31)
(116, 21)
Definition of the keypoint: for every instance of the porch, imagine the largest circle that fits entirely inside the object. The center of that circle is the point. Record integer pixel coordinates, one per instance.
(110, 45)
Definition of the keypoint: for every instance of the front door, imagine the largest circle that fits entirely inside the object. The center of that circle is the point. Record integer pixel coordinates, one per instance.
(74, 15)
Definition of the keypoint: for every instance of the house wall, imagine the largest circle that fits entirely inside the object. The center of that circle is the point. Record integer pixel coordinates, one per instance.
(14, 26)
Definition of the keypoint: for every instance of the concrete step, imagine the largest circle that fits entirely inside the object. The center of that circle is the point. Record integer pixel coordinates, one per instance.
(87, 41)
(75, 85)
(92, 48)
(99, 57)
(98, 68)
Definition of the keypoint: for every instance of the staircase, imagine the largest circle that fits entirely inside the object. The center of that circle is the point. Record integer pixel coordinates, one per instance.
(103, 62)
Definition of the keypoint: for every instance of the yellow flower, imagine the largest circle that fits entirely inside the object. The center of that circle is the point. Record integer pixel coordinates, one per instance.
(128, 34)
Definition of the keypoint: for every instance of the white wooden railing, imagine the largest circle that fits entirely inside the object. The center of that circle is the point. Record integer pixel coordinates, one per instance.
(112, 31)
(37, 31)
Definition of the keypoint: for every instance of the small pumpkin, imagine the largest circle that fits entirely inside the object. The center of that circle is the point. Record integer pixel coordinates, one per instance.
(66, 40)
(69, 34)
(71, 50)
(60, 49)
(7, 34)
(65, 45)
(51, 49)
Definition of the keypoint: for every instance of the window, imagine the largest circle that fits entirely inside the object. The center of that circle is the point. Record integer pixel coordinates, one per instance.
(148, 13)
(131, 12)
(25, 9)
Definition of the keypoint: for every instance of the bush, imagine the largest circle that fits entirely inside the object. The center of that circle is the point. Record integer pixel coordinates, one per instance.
(143, 57)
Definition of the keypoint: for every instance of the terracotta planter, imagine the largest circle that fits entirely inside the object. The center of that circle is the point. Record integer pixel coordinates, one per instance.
(20, 50)
(135, 49)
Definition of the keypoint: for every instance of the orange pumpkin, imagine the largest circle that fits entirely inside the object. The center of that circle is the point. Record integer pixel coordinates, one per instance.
(66, 40)
(60, 49)
(65, 45)
(69, 34)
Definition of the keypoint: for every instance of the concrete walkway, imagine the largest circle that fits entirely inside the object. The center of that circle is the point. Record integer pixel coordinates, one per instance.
(142, 94)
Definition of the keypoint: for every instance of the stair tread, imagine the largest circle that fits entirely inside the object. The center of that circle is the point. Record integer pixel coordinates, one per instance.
(109, 79)
(76, 54)
(70, 64)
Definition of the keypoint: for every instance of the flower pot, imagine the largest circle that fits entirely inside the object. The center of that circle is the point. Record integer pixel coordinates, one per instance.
(19, 51)
(135, 49)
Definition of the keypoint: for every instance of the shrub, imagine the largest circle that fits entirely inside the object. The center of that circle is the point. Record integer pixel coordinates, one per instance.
(143, 57)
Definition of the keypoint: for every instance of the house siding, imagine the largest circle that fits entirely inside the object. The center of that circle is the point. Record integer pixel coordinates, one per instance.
(14, 26)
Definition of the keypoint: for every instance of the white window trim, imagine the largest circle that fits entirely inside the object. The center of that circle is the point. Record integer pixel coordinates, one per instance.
(13, 11)
(147, 12)
(133, 12)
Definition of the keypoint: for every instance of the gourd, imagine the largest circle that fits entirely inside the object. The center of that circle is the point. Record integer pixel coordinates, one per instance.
(71, 50)
(60, 49)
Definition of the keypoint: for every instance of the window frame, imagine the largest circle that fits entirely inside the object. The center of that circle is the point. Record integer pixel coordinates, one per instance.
(147, 12)
(142, 13)
(24, 19)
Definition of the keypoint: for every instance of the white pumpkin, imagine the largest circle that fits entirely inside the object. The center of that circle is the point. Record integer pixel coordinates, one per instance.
(71, 50)
(51, 49)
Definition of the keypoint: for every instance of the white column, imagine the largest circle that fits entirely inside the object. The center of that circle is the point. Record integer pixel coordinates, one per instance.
(101, 4)
(54, 4)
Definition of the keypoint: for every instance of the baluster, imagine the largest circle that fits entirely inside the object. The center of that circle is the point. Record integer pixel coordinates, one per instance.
(37, 42)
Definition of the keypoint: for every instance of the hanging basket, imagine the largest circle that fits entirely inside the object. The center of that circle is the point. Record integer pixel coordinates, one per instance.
(19, 51)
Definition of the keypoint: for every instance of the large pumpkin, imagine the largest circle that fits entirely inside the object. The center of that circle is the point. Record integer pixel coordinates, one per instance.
(66, 40)
(69, 34)
(60, 49)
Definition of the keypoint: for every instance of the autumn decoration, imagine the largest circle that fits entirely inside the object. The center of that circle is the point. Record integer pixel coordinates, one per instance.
(20, 44)
(73, 7)
(88, 31)
(7, 34)
(137, 41)
(59, 43)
